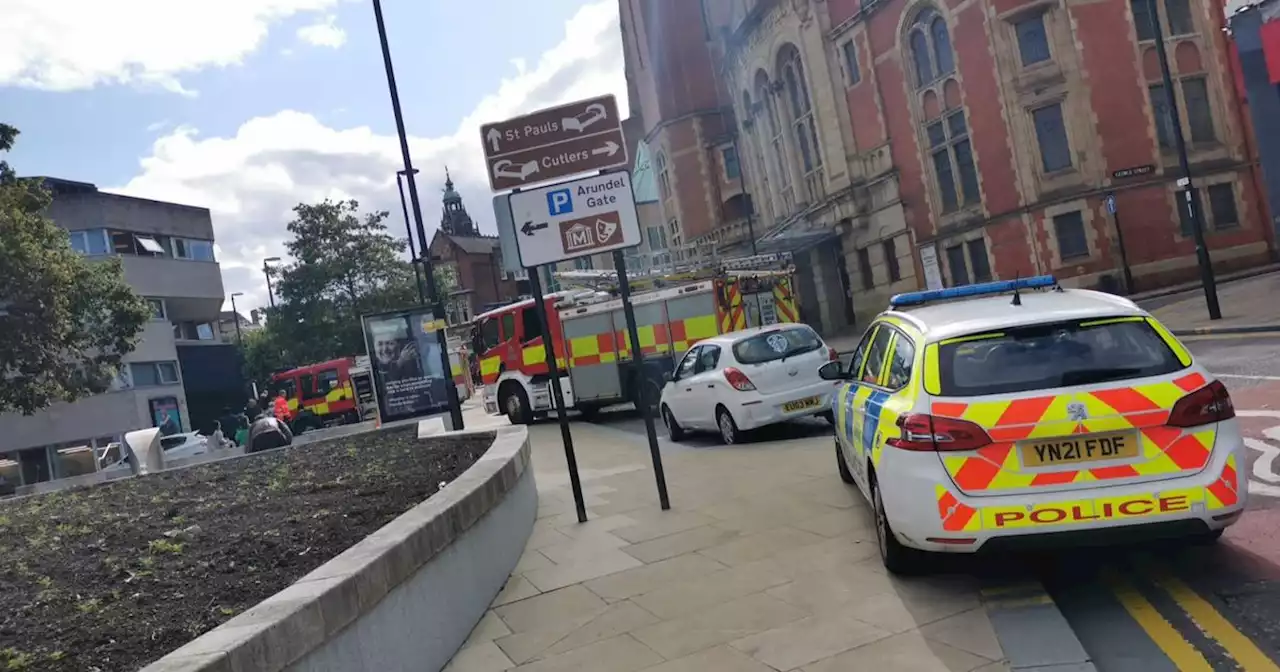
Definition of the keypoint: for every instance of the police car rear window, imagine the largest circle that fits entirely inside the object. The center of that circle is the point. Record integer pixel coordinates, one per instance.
(1063, 354)
(774, 345)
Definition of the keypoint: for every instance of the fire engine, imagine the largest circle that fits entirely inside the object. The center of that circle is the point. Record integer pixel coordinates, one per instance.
(335, 392)
(588, 331)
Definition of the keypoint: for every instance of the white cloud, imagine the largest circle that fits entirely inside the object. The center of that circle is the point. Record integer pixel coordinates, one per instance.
(251, 181)
(324, 33)
(63, 45)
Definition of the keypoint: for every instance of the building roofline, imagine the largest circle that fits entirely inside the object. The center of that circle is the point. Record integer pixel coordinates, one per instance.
(75, 186)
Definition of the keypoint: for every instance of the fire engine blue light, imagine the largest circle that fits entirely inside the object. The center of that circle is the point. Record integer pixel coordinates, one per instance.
(966, 291)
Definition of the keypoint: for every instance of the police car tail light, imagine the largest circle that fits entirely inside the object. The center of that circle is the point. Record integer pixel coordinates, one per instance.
(928, 433)
(1206, 405)
(738, 380)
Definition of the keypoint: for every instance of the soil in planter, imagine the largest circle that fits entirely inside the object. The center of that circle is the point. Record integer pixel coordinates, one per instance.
(113, 577)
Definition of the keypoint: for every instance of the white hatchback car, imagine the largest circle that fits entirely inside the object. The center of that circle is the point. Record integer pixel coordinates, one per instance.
(747, 379)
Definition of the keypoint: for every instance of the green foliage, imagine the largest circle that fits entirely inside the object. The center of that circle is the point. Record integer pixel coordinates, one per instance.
(65, 322)
(345, 265)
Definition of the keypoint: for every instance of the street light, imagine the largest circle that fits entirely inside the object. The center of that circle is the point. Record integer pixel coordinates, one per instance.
(1191, 202)
(266, 270)
(235, 315)
(455, 408)
(413, 248)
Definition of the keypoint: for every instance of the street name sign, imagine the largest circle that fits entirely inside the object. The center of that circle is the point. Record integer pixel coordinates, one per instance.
(554, 143)
(575, 219)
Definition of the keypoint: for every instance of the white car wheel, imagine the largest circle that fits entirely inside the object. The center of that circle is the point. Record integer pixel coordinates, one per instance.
(729, 432)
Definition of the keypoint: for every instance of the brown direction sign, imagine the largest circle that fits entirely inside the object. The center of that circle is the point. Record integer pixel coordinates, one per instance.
(554, 143)
(590, 233)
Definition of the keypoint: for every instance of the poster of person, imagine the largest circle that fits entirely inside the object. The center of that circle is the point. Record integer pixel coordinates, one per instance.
(408, 374)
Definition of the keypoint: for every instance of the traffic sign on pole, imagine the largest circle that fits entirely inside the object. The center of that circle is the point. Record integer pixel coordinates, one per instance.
(575, 219)
(554, 143)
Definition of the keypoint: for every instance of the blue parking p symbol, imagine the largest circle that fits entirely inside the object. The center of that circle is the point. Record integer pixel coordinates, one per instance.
(560, 202)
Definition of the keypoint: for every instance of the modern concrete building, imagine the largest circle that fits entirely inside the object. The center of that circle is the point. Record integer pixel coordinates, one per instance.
(168, 256)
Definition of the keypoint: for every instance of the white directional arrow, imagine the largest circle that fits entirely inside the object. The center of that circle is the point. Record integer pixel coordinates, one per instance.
(1265, 480)
(609, 148)
(493, 137)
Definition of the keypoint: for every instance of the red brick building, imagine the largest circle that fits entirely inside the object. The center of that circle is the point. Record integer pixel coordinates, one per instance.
(1010, 121)
(477, 260)
(901, 144)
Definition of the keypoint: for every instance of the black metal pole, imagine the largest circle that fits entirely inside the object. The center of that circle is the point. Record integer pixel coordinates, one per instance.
(1192, 202)
(266, 270)
(235, 315)
(557, 397)
(637, 361)
(437, 303)
(1124, 255)
(413, 247)
(742, 184)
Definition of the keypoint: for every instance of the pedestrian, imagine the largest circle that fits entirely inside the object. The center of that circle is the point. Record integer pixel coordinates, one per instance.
(217, 440)
(280, 408)
(268, 433)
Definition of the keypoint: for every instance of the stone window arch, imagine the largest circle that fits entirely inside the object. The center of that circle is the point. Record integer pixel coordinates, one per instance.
(664, 176)
(773, 137)
(940, 113)
(754, 129)
(804, 128)
(929, 40)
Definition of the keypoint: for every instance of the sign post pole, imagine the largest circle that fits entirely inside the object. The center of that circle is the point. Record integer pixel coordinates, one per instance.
(1124, 256)
(637, 360)
(557, 396)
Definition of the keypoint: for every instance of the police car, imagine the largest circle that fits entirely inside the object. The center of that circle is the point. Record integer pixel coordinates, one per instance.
(993, 416)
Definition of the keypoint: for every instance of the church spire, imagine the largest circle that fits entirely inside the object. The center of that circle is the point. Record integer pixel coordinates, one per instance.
(455, 221)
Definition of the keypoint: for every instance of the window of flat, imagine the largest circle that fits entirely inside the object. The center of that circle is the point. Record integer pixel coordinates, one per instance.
(1051, 134)
(1033, 40)
(864, 267)
(583, 264)
(150, 246)
(980, 265)
(150, 374)
(1222, 203)
(1069, 230)
(852, 71)
(157, 308)
(192, 249)
(953, 156)
(891, 260)
(90, 241)
(732, 169)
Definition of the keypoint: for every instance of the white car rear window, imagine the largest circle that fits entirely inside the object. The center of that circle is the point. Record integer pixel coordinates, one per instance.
(1062, 354)
(776, 344)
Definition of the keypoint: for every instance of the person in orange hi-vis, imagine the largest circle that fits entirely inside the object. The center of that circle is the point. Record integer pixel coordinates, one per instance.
(281, 408)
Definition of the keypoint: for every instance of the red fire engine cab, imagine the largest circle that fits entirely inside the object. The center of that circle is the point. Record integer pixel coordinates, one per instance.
(336, 392)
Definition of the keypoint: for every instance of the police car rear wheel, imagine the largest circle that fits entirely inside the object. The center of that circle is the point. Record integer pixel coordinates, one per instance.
(845, 474)
(898, 559)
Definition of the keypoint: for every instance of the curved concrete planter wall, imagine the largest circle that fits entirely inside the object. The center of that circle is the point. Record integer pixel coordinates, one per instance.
(403, 599)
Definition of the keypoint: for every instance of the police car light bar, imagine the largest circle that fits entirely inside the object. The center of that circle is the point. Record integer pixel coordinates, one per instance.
(966, 291)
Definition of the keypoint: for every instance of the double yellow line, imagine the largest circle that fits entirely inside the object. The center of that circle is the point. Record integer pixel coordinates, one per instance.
(1213, 624)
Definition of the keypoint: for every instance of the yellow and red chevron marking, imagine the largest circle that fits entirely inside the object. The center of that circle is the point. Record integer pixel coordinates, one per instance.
(785, 301)
(1223, 492)
(729, 311)
(1165, 450)
(956, 517)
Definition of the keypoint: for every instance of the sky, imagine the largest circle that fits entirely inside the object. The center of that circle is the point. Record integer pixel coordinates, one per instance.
(249, 107)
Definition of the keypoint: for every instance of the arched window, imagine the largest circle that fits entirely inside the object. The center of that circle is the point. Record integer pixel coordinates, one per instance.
(930, 45)
(755, 149)
(804, 127)
(776, 143)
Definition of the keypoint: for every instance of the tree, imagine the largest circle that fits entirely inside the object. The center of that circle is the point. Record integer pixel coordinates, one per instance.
(345, 265)
(65, 322)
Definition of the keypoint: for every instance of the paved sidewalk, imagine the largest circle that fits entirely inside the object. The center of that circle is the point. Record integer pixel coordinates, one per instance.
(1248, 305)
(765, 562)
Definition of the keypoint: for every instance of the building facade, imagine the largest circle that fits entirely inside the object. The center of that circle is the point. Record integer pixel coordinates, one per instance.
(168, 255)
(892, 145)
(475, 259)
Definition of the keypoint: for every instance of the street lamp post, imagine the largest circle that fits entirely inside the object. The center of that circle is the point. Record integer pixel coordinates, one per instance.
(455, 408)
(1191, 202)
(408, 229)
(235, 315)
(266, 270)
